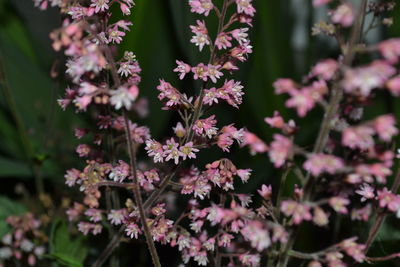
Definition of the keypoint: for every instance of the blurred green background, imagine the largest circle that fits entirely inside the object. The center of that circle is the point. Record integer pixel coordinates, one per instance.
(36, 136)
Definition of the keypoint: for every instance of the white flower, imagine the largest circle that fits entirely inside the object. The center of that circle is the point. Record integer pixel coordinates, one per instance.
(122, 98)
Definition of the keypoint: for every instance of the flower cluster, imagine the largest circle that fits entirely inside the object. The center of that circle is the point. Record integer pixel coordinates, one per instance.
(26, 243)
(343, 173)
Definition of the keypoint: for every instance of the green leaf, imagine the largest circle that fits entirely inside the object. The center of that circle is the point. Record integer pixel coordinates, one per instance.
(8, 207)
(64, 249)
(13, 168)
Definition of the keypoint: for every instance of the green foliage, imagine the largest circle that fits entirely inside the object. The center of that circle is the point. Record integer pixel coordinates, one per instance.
(65, 250)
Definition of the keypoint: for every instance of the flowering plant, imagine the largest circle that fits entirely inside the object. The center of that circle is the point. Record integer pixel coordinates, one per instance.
(139, 188)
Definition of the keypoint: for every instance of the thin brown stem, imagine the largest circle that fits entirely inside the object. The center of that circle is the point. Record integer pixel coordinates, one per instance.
(137, 195)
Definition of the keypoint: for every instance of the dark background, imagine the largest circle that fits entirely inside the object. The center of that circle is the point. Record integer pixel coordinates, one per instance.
(42, 144)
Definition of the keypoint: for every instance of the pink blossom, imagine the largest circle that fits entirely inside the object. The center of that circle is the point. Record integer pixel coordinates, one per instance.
(302, 100)
(246, 7)
(200, 38)
(223, 41)
(343, 15)
(280, 150)
(117, 217)
(390, 49)
(124, 97)
(358, 137)
(299, 212)
(94, 215)
(210, 96)
(257, 235)
(115, 35)
(384, 127)
(188, 150)
(201, 6)
(200, 72)
(276, 121)
(352, 249)
(213, 72)
(325, 69)
(206, 127)
(179, 130)
(72, 177)
(120, 172)
(319, 163)
(339, 204)
(155, 150)
(284, 86)
(320, 218)
(171, 151)
(132, 230)
(240, 35)
(265, 192)
(100, 5)
(363, 79)
(388, 200)
(393, 86)
(182, 68)
(366, 191)
(256, 145)
(83, 150)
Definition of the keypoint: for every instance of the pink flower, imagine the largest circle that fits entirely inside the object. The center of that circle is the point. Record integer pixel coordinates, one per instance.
(393, 86)
(83, 150)
(240, 35)
(388, 200)
(302, 100)
(354, 250)
(117, 217)
(366, 191)
(210, 96)
(201, 6)
(339, 204)
(200, 72)
(188, 150)
(94, 215)
(319, 163)
(343, 15)
(284, 86)
(124, 97)
(155, 150)
(256, 145)
(179, 130)
(257, 235)
(265, 192)
(120, 172)
(362, 80)
(358, 137)
(213, 72)
(182, 68)
(223, 41)
(320, 217)
(72, 177)
(325, 69)
(390, 49)
(276, 121)
(206, 127)
(100, 5)
(171, 151)
(132, 230)
(200, 38)
(280, 149)
(115, 35)
(299, 212)
(245, 6)
(244, 174)
(384, 127)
